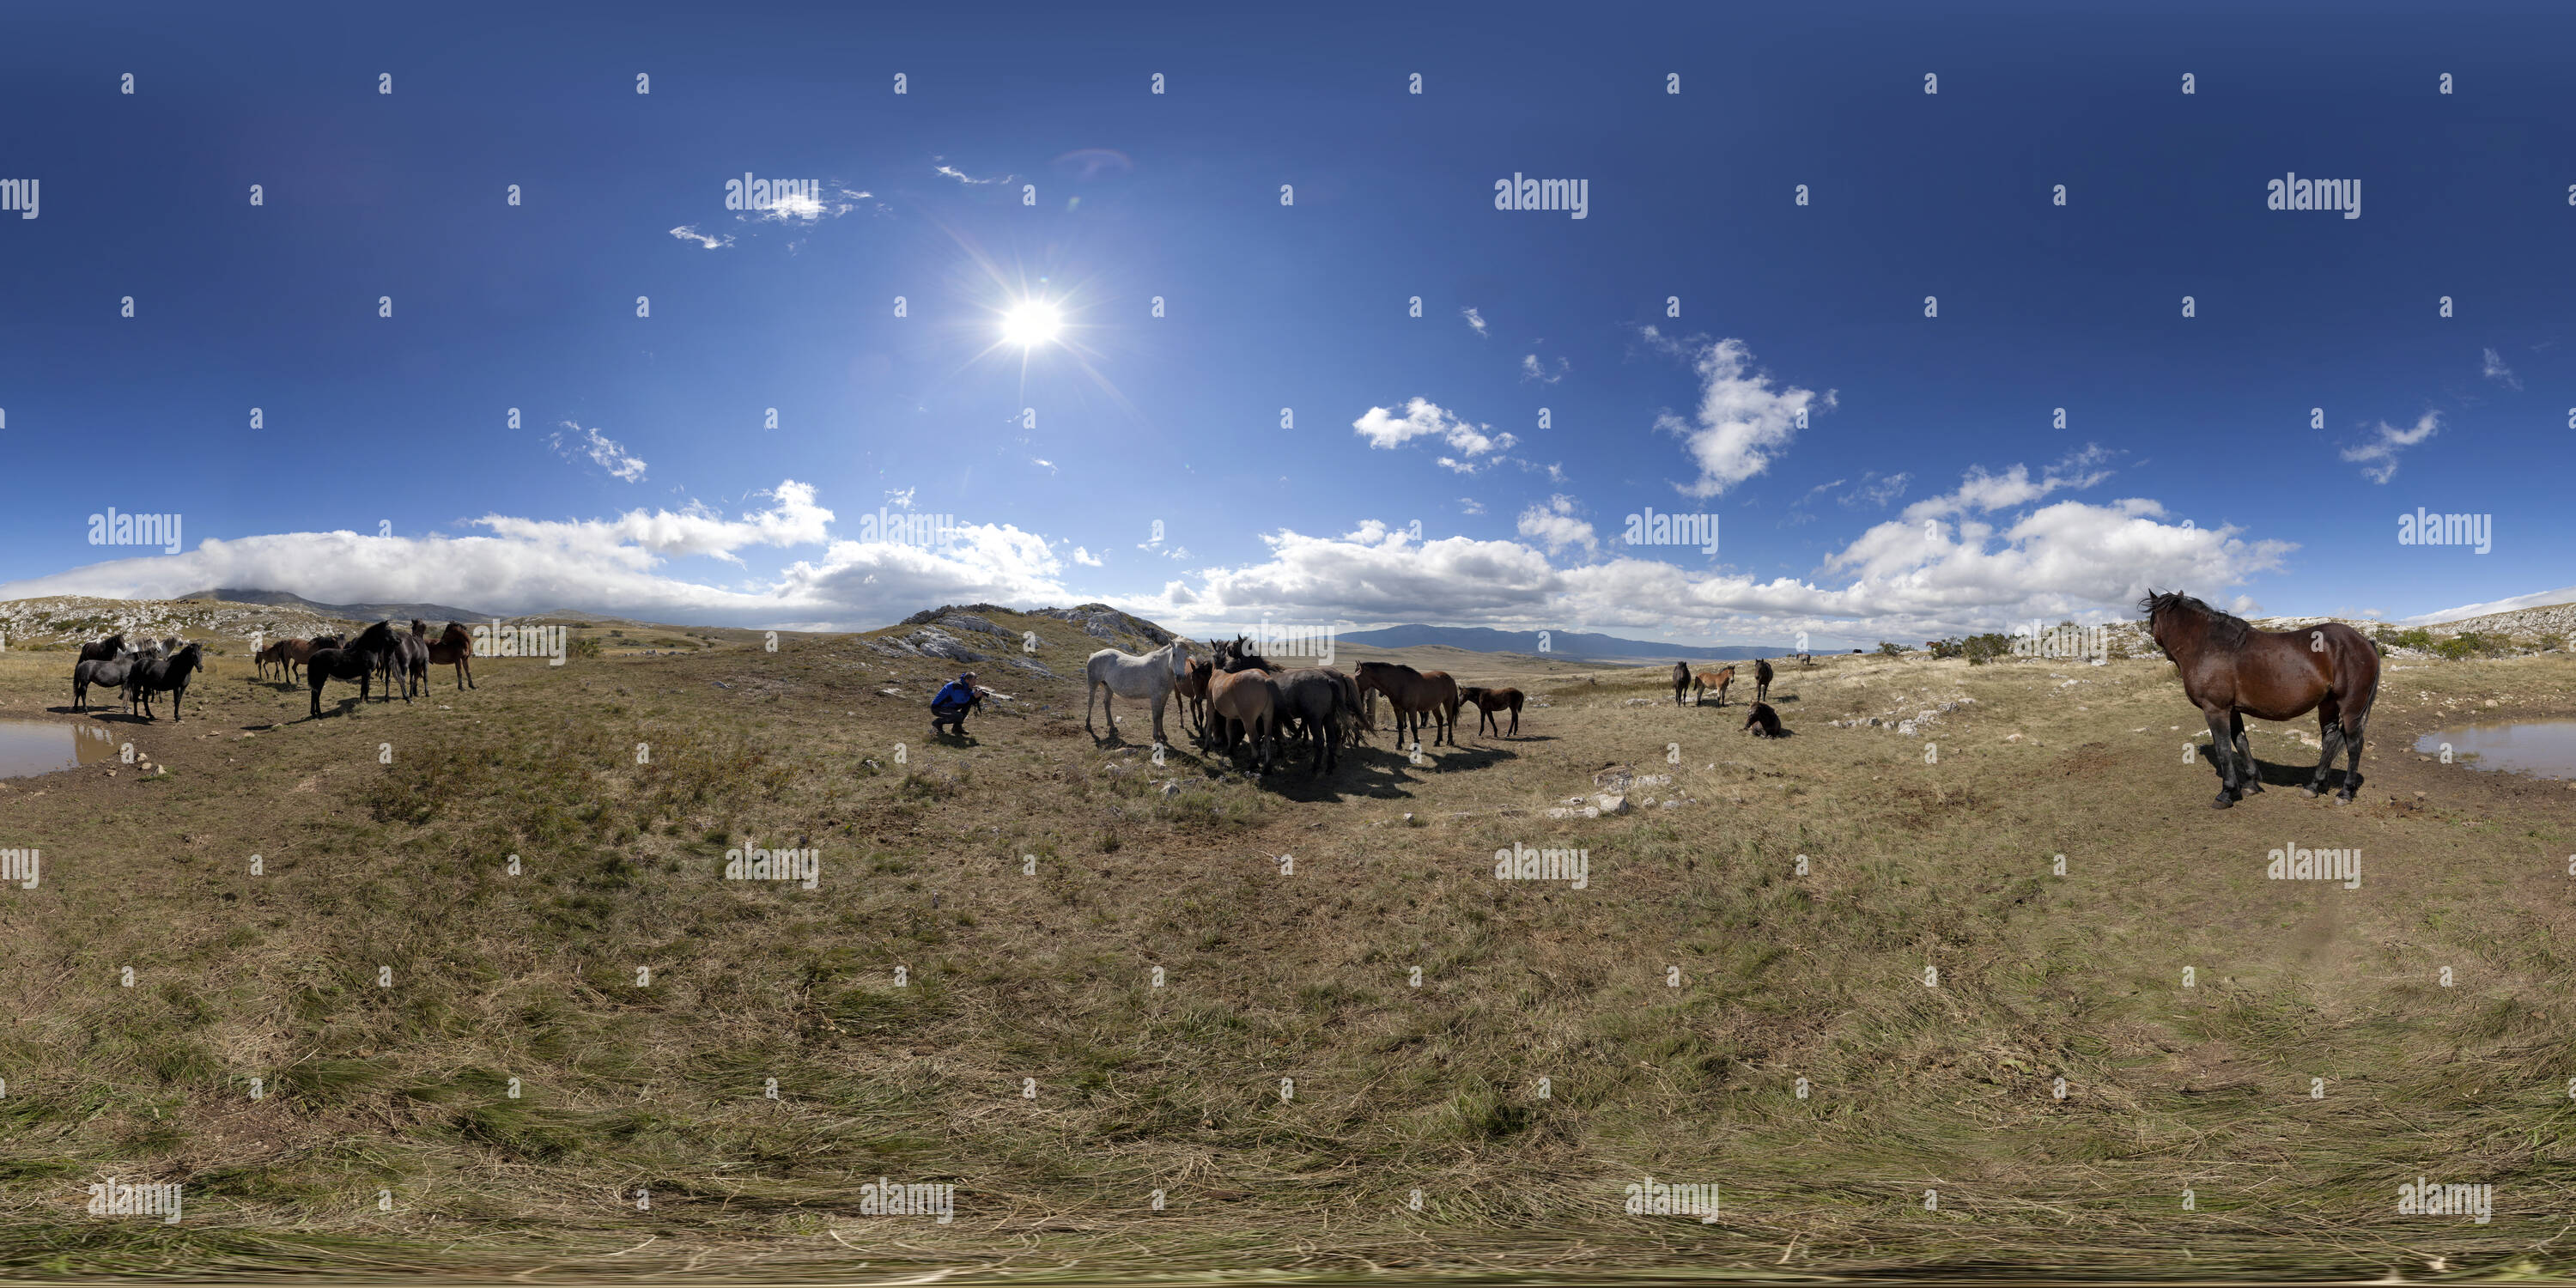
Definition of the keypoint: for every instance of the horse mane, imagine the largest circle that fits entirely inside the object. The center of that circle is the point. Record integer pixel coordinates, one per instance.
(2223, 629)
(455, 634)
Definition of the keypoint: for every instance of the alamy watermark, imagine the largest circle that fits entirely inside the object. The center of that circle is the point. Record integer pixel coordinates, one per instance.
(1652, 1197)
(1279, 639)
(116, 528)
(804, 867)
(2291, 863)
(886, 1197)
(159, 1199)
(1652, 529)
(1519, 193)
(498, 640)
(2031, 639)
(2424, 528)
(895, 528)
(19, 195)
(2424, 1198)
(2294, 193)
(20, 866)
(1521, 863)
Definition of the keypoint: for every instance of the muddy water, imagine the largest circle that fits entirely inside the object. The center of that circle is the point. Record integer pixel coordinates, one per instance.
(30, 747)
(2544, 748)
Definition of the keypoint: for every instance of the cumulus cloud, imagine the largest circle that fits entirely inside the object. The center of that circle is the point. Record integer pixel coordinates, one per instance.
(603, 451)
(1981, 492)
(1422, 418)
(1470, 505)
(1474, 319)
(686, 232)
(618, 565)
(2493, 368)
(1743, 421)
(1553, 523)
(1085, 557)
(2378, 457)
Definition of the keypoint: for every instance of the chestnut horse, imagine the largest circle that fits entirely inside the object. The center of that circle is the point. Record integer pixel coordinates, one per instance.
(1248, 697)
(1414, 694)
(2229, 669)
(453, 645)
(1707, 680)
(1489, 701)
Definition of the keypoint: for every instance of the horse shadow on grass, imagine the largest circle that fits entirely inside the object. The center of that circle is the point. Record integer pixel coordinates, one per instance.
(2295, 776)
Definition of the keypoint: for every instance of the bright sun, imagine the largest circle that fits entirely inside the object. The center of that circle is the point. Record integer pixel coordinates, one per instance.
(1031, 323)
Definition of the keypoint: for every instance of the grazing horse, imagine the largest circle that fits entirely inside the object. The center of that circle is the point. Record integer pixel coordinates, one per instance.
(295, 652)
(1681, 681)
(1765, 722)
(1761, 679)
(165, 675)
(406, 658)
(1707, 680)
(382, 648)
(1250, 698)
(270, 654)
(106, 650)
(455, 645)
(2230, 669)
(105, 673)
(1489, 701)
(1151, 677)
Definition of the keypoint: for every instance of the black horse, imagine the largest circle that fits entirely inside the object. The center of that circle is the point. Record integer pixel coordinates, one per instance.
(164, 675)
(1325, 703)
(360, 659)
(105, 673)
(1765, 722)
(106, 650)
(1762, 679)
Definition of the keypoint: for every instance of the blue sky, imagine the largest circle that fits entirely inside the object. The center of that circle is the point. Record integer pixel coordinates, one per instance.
(1929, 492)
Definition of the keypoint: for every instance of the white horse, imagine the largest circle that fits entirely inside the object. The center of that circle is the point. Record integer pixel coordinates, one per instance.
(1126, 675)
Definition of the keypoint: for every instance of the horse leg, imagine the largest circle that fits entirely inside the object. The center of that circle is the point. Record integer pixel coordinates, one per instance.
(2329, 732)
(2245, 753)
(2222, 749)
(2352, 763)
(1159, 699)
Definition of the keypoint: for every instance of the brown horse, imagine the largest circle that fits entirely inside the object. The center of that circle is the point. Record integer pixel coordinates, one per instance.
(1761, 679)
(296, 652)
(1192, 690)
(452, 645)
(273, 654)
(1707, 680)
(2229, 669)
(1415, 694)
(1250, 698)
(1681, 681)
(1489, 701)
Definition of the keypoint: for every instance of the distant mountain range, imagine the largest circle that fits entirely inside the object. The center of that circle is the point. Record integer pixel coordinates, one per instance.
(1567, 644)
(432, 613)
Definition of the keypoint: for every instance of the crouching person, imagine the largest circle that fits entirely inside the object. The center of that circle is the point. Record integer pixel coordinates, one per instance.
(950, 705)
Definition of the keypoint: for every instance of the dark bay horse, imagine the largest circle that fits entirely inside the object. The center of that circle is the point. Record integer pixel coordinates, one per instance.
(1762, 679)
(2230, 670)
(455, 645)
(1681, 683)
(1415, 694)
(1489, 701)
(1324, 704)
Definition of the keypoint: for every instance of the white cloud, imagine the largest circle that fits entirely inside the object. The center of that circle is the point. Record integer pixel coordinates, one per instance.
(613, 565)
(686, 232)
(1981, 492)
(1085, 558)
(901, 498)
(1874, 492)
(1553, 523)
(2493, 368)
(1424, 419)
(1474, 319)
(1470, 505)
(1533, 369)
(970, 180)
(603, 451)
(2378, 457)
(1742, 422)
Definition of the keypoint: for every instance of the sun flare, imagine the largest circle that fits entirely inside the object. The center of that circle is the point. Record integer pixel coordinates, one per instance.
(1032, 323)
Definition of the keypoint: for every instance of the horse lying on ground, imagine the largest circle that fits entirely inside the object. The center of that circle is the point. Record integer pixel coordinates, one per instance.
(1681, 681)
(1765, 722)
(455, 645)
(1707, 680)
(1415, 694)
(2230, 669)
(110, 673)
(1761, 679)
(1489, 701)
(165, 675)
(1111, 674)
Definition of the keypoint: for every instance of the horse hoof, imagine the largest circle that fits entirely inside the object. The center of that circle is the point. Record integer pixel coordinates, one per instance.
(2224, 801)
(2312, 792)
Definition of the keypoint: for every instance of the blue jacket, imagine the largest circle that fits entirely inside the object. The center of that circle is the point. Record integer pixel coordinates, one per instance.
(956, 693)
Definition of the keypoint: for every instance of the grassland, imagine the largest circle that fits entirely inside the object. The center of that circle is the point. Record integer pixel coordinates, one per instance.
(1561, 1043)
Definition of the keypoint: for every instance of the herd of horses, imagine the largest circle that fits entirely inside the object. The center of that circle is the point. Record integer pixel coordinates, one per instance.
(163, 666)
(2229, 669)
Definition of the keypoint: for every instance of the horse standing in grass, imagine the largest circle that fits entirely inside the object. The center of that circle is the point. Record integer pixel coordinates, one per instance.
(2229, 669)
(1151, 677)
(455, 645)
(165, 675)
(1246, 696)
(269, 654)
(1192, 689)
(1681, 681)
(294, 653)
(1707, 680)
(1415, 694)
(1489, 701)
(104, 673)
(1761, 679)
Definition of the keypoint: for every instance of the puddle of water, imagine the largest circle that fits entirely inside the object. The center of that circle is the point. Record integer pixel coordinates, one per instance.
(30, 747)
(2546, 748)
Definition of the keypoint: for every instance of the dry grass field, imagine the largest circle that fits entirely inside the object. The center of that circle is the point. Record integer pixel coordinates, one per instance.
(1065, 979)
